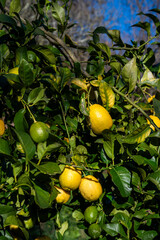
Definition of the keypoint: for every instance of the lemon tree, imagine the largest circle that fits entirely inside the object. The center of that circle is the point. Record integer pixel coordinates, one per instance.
(79, 138)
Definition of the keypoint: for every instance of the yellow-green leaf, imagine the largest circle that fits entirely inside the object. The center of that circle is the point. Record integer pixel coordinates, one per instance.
(138, 136)
(79, 83)
(107, 94)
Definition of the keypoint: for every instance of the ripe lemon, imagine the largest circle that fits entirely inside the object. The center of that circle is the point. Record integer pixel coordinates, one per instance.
(39, 132)
(2, 127)
(94, 230)
(63, 196)
(70, 178)
(156, 120)
(100, 119)
(91, 214)
(90, 188)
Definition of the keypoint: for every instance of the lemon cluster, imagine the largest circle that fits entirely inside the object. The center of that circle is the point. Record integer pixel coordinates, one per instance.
(71, 179)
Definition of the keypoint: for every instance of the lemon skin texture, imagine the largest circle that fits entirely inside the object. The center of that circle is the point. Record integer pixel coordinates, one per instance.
(91, 214)
(100, 119)
(2, 127)
(39, 132)
(156, 120)
(70, 178)
(63, 196)
(94, 230)
(90, 188)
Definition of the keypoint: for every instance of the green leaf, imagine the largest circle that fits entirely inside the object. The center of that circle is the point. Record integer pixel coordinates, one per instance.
(139, 135)
(24, 180)
(115, 36)
(151, 16)
(4, 147)
(121, 177)
(49, 168)
(6, 211)
(105, 49)
(43, 149)
(15, 6)
(113, 229)
(27, 144)
(19, 120)
(109, 148)
(122, 218)
(46, 53)
(149, 79)
(36, 95)
(152, 162)
(21, 53)
(82, 105)
(130, 74)
(42, 197)
(4, 19)
(156, 104)
(26, 73)
(58, 13)
(116, 66)
(155, 178)
(65, 77)
(144, 25)
(146, 235)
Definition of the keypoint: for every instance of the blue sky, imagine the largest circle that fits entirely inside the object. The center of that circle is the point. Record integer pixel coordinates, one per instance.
(126, 18)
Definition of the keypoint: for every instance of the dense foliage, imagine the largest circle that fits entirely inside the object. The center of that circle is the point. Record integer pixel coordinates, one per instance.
(48, 84)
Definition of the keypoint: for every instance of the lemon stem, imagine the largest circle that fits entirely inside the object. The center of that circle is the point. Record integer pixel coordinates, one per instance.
(136, 106)
(26, 106)
(68, 135)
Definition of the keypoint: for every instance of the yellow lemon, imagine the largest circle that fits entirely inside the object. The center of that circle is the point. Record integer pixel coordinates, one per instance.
(90, 188)
(63, 196)
(2, 127)
(70, 178)
(156, 120)
(100, 119)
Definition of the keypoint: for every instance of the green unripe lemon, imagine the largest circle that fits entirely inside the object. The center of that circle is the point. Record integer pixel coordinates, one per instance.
(39, 132)
(94, 230)
(91, 214)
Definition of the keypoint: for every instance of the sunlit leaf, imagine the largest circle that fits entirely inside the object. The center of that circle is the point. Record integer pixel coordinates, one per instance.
(107, 94)
(137, 136)
(58, 13)
(79, 83)
(130, 74)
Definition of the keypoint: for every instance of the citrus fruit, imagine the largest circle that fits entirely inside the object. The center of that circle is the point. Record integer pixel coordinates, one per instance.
(63, 196)
(156, 120)
(91, 214)
(39, 132)
(70, 178)
(94, 230)
(100, 119)
(90, 188)
(2, 127)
